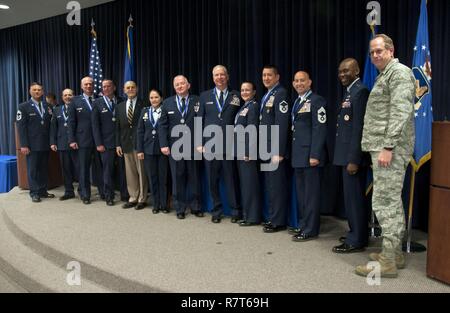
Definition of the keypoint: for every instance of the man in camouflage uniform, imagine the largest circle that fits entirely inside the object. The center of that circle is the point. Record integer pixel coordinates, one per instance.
(389, 137)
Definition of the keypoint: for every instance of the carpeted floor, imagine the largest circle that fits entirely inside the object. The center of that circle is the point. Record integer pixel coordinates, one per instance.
(128, 250)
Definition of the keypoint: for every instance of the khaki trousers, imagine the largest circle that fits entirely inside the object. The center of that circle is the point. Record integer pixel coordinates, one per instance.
(136, 179)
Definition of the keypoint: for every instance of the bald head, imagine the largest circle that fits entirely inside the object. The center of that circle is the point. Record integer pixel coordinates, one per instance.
(87, 85)
(130, 89)
(348, 71)
(302, 82)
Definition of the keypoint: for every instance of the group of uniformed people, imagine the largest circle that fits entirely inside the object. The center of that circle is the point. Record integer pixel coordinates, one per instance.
(118, 136)
(123, 138)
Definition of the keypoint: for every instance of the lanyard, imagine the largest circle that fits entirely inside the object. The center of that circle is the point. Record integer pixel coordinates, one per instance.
(242, 109)
(298, 104)
(186, 107)
(218, 104)
(87, 101)
(266, 97)
(41, 114)
(66, 117)
(110, 106)
(152, 120)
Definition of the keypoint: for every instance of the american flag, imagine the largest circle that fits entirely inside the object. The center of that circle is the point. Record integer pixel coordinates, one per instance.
(95, 66)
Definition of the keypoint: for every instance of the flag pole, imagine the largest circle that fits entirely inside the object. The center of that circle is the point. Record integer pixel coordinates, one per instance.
(410, 209)
(412, 246)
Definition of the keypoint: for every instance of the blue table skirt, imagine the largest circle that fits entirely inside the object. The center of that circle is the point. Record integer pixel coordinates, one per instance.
(8, 173)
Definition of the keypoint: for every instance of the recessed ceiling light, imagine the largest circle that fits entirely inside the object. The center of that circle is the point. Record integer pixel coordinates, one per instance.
(4, 7)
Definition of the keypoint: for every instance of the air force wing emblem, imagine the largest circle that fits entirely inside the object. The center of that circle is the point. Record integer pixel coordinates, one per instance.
(284, 107)
(322, 115)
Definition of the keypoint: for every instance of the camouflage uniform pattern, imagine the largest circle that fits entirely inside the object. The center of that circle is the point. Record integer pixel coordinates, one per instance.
(389, 123)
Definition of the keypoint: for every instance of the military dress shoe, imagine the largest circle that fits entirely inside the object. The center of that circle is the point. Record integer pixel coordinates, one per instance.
(342, 239)
(198, 213)
(140, 206)
(155, 211)
(346, 248)
(303, 237)
(216, 219)
(181, 216)
(48, 195)
(246, 224)
(110, 202)
(235, 219)
(35, 199)
(129, 205)
(294, 231)
(66, 197)
(87, 201)
(265, 224)
(165, 210)
(273, 229)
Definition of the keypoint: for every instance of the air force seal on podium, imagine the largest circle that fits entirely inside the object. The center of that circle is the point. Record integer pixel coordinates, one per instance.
(322, 115)
(284, 107)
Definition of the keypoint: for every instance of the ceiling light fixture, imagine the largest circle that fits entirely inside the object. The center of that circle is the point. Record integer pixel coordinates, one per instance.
(4, 7)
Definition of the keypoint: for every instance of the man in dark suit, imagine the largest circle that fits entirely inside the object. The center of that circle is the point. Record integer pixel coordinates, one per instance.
(59, 141)
(179, 111)
(349, 158)
(127, 114)
(33, 123)
(218, 107)
(81, 138)
(104, 130)
(274, 111)
(309, 131)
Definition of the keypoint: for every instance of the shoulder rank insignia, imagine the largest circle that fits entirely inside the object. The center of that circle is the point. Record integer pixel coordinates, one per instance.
(284, 107)
(322, 115)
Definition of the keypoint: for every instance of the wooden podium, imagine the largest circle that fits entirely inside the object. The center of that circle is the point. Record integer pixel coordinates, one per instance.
(55, 178)
(438, 260)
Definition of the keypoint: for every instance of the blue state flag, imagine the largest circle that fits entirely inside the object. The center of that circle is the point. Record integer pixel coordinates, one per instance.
(129, 73)
(370, 71)
(95, 66)
(423, 110)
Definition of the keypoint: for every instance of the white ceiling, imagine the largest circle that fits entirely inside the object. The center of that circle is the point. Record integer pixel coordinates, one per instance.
(25, 11)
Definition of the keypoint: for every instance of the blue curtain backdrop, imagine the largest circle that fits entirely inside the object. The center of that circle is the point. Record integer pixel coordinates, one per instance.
(191, 36)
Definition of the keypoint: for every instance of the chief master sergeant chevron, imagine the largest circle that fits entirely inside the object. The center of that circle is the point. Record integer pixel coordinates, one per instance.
(388, 135)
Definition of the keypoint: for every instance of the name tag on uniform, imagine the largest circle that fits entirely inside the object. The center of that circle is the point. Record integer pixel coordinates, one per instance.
(79, 109)
(306, 108)
(105, 111)
(32, 114)
(171, 112)
(209, 102)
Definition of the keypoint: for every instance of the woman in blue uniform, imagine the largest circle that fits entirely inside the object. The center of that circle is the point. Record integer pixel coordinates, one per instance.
(246, 153)
(149, 150)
